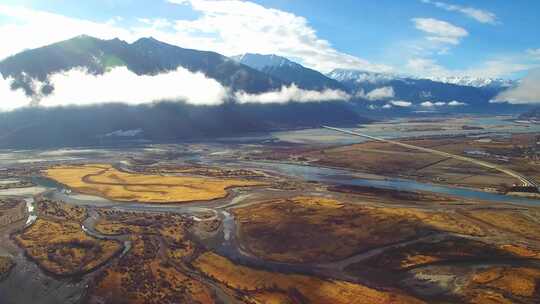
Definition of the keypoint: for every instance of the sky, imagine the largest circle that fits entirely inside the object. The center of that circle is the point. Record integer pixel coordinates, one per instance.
(426, 38)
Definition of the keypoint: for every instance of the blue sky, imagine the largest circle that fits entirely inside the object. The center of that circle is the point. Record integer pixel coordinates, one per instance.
(429, 38)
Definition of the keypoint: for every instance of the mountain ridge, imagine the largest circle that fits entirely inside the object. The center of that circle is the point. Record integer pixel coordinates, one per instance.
(289, 71)
(145, 56)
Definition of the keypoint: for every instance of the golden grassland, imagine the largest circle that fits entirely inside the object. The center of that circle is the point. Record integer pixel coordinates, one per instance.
(520, 250)
(314, 229)
(511, 281)
(63, 248)
(5, 265)
(106, 181)
(267, 287)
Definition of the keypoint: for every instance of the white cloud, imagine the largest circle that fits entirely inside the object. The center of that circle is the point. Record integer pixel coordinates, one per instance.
(430, 104)
(236, 27)
(400, 103)
(377, 94)
(292, 93)
(528, 90)
(479, 15)
(387, 106)
(32, 29)
(455, 103)
(77, 87)
(440, 31)
(229, 27)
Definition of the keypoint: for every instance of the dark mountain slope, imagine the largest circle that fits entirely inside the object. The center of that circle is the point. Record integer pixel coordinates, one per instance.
(162, 122)
(145, 56)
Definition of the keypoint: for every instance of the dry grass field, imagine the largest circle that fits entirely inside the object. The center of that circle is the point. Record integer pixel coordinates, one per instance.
(314, 229)
(106, 181)
(267, 287)
(63, 248)
(504, 284)
(525, 223)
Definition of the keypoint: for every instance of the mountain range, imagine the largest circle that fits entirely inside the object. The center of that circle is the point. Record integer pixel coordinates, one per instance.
(371, 95)
(289, 71)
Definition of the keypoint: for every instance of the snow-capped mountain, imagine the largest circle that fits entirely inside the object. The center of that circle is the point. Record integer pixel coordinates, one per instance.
(288, 71)
(475, 81)
(345, 75)
(470, 93)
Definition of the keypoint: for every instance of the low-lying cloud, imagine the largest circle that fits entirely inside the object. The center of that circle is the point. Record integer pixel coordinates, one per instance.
(78, 87)
(430, 104)
(378, 94)
(401, 103)
(527, 92)
(455, 103)
(292, 93)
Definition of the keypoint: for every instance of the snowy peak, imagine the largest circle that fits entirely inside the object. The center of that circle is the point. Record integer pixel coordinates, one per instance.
(346, 75)
(475, 81)
(260, 62)
(288, 71)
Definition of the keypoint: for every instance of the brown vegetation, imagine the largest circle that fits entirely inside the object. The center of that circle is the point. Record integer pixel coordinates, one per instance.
(153, 270)
(5, 266)
(142, 276)
(314, 229)
(269, 287)
(60, 211)
(423, 253)
(63, 248)
(523, 222)
(388, 195)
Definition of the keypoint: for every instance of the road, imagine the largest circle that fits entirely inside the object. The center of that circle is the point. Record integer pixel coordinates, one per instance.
(524, 180)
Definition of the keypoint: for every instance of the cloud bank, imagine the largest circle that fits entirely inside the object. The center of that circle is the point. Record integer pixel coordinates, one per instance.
(78, 87)
(292, 93)
(401, 103)
(378, 94)
(527, 92)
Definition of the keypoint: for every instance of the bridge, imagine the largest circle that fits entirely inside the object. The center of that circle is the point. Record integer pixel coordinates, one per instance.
(524, 180)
